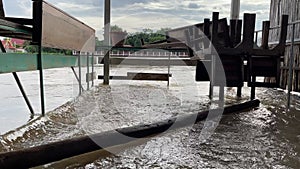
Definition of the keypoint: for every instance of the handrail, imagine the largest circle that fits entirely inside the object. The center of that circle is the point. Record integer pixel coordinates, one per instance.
(278, 26)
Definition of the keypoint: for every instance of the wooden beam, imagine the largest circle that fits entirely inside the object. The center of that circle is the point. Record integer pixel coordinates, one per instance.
(107, 18)
(22, 21)
(141, 76)
(148, 76)
(52, 152)
(265, 35)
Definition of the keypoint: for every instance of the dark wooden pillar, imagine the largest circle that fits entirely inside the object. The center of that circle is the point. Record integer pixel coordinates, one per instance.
(2, 14)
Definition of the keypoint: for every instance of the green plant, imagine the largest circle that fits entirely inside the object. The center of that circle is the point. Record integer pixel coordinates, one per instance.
(116, 28)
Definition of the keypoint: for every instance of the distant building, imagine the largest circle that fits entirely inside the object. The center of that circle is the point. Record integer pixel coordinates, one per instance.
(13, 45)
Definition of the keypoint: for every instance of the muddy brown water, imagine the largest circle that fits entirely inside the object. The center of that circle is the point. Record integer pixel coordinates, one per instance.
(266, 137)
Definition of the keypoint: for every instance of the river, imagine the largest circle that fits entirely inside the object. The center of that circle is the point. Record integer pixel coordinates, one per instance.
(265, 137)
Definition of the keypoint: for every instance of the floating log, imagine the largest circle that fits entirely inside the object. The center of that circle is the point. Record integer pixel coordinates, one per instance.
(52, 152)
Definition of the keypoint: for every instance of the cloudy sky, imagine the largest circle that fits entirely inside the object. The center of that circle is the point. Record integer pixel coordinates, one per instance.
(135, 15)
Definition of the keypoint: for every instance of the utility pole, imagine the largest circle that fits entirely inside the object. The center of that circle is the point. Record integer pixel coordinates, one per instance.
(107, 14)
(235, 9)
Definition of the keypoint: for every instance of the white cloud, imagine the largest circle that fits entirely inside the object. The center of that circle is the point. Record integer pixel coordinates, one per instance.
(152, 20)
(134, 15)
(71, 7)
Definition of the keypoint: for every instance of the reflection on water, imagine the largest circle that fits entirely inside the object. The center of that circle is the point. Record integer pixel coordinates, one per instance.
(266, 137)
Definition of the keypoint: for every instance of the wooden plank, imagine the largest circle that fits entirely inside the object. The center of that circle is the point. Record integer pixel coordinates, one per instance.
(60, 30)
(13, 62)
(56, 151)
(114, 77)
(22, 21)
(149, 76)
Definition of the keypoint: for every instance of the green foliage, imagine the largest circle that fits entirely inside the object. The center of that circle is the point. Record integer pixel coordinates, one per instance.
(116, 28)
(34, 49)
(99, 42)
(148, 35)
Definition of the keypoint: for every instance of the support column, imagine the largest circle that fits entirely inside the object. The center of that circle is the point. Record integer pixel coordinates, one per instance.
(79, 73)
(23, 93)
(235, 9)
(88, 71)
(107, 7)
(37, 39)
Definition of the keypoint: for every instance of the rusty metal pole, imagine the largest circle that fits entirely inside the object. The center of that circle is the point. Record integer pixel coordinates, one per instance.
(107, 7)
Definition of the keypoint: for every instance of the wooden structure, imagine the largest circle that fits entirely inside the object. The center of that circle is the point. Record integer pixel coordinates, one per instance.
(52, 152)
(291, 8)
(49, 27)
(226, 49)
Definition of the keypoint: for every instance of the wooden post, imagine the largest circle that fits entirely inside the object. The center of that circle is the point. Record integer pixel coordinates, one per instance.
(248, 31)
(2, 14)
(37, 37)
(214, 39)
(291, 65)
(265, 35)
(221, 96)
(106, 40)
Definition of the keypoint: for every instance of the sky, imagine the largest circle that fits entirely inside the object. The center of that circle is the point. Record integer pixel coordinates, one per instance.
(136, 15)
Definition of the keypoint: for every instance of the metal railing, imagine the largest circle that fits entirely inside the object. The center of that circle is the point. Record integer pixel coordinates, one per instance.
(289, 41)
(143, 53)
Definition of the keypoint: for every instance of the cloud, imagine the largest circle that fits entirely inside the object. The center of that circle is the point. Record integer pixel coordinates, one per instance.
(193, 5)
(133, 15)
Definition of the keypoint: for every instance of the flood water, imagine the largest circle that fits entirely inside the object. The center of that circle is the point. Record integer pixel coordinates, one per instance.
(266, 137)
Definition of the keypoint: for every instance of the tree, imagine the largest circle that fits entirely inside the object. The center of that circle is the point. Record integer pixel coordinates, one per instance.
(99, 42)
(34, 49)
(148, 35)
(30, 48)
(116, 28)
